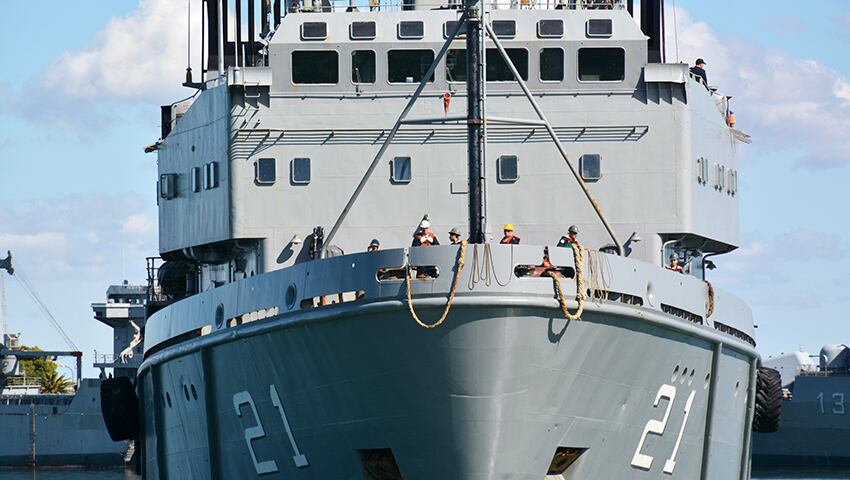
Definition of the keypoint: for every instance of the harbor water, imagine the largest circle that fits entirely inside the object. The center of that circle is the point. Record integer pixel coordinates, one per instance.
(120, 474)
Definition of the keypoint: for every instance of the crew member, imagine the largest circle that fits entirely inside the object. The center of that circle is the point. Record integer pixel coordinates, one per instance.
(373, 245)
(699, 70)
(570, 239)
(509, 238)
(424, 237)
(674, 263)
(454, 236)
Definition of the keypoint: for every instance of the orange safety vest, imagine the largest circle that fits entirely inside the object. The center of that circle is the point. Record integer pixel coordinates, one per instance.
(426, 239)
(510, 240)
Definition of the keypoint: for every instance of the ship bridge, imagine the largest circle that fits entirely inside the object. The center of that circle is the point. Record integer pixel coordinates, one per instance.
(255, 168)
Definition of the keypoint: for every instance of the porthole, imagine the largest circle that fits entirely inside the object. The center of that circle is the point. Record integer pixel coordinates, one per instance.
(291, 296)
(600, 27)
(168, 399)
(362, 30)
(675, 374)
(411, 30)
(186, 392)
(219, 316)
(314, 31)
(194, 392)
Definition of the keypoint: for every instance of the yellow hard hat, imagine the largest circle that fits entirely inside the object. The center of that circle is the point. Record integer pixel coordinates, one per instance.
(509, 227)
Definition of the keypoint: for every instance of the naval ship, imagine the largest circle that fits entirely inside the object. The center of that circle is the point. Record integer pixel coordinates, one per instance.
(814, 427)
(290, 351)
(62, 429)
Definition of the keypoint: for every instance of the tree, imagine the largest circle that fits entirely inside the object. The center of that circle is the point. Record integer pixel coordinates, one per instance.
(40, 368)
(53, 383)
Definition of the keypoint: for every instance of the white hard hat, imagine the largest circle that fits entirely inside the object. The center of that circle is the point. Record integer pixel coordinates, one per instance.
(424, 224)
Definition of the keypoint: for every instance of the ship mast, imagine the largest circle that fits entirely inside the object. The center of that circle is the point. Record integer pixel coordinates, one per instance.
(474, 119)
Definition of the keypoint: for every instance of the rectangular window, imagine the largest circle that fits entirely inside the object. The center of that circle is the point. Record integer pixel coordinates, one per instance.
(168, 185)
(504, 28)
(507, 169)
(265, 173)
(456, 65)
(211, 175)
(590, 166)
(363, 66)
(314, 31)
(601, 64)
(550, 28)
(195, 179)
(449, 26)
(497, 68)
(300, 171)
(401, 170)
(551, 64)
(600, 27)
(315, 67)
(411, 30)
(408, 66)
(362, 30)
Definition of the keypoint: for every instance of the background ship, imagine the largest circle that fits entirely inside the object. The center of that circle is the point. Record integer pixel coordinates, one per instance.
(65, 429)
(814, 427)
(282, 357)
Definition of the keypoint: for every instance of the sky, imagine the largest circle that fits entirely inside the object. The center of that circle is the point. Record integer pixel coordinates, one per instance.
(80, 97)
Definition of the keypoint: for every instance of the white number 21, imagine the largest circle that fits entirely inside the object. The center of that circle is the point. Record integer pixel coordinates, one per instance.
(257, 431)
(657, 427)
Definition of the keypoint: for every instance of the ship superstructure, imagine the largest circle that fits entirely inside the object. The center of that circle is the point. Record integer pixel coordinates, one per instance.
(287, 355)
(49, 428)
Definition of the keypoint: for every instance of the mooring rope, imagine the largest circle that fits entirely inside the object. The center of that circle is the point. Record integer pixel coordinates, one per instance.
(578, 255)
(439, 322)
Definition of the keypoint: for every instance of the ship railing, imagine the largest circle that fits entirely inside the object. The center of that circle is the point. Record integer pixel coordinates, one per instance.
(403, 5)
(23, 381)
(113, 359)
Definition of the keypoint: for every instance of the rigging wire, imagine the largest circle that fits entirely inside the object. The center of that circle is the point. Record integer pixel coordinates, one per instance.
(675, 32)
(34, 295)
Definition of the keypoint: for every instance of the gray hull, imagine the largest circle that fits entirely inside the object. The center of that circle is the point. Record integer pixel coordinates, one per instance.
(58, 433)
(489, 395)
(814, 427)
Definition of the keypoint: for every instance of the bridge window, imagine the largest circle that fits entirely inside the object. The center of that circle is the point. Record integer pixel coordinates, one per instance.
(300, 171)
(551, 64)
(601, 64)
(265, 171)
(497, 68)
(409, 66)
(550, 28)
(314, 31)
(363, 66)
(411, 30)
(315, 67)
(507, 169)
(401, 170)
(362, 30)
(590, 166)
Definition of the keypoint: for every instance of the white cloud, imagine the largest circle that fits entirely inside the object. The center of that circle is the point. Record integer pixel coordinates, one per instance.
(783, 101)
(138, 57)
(78, 236)
(138, 224)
